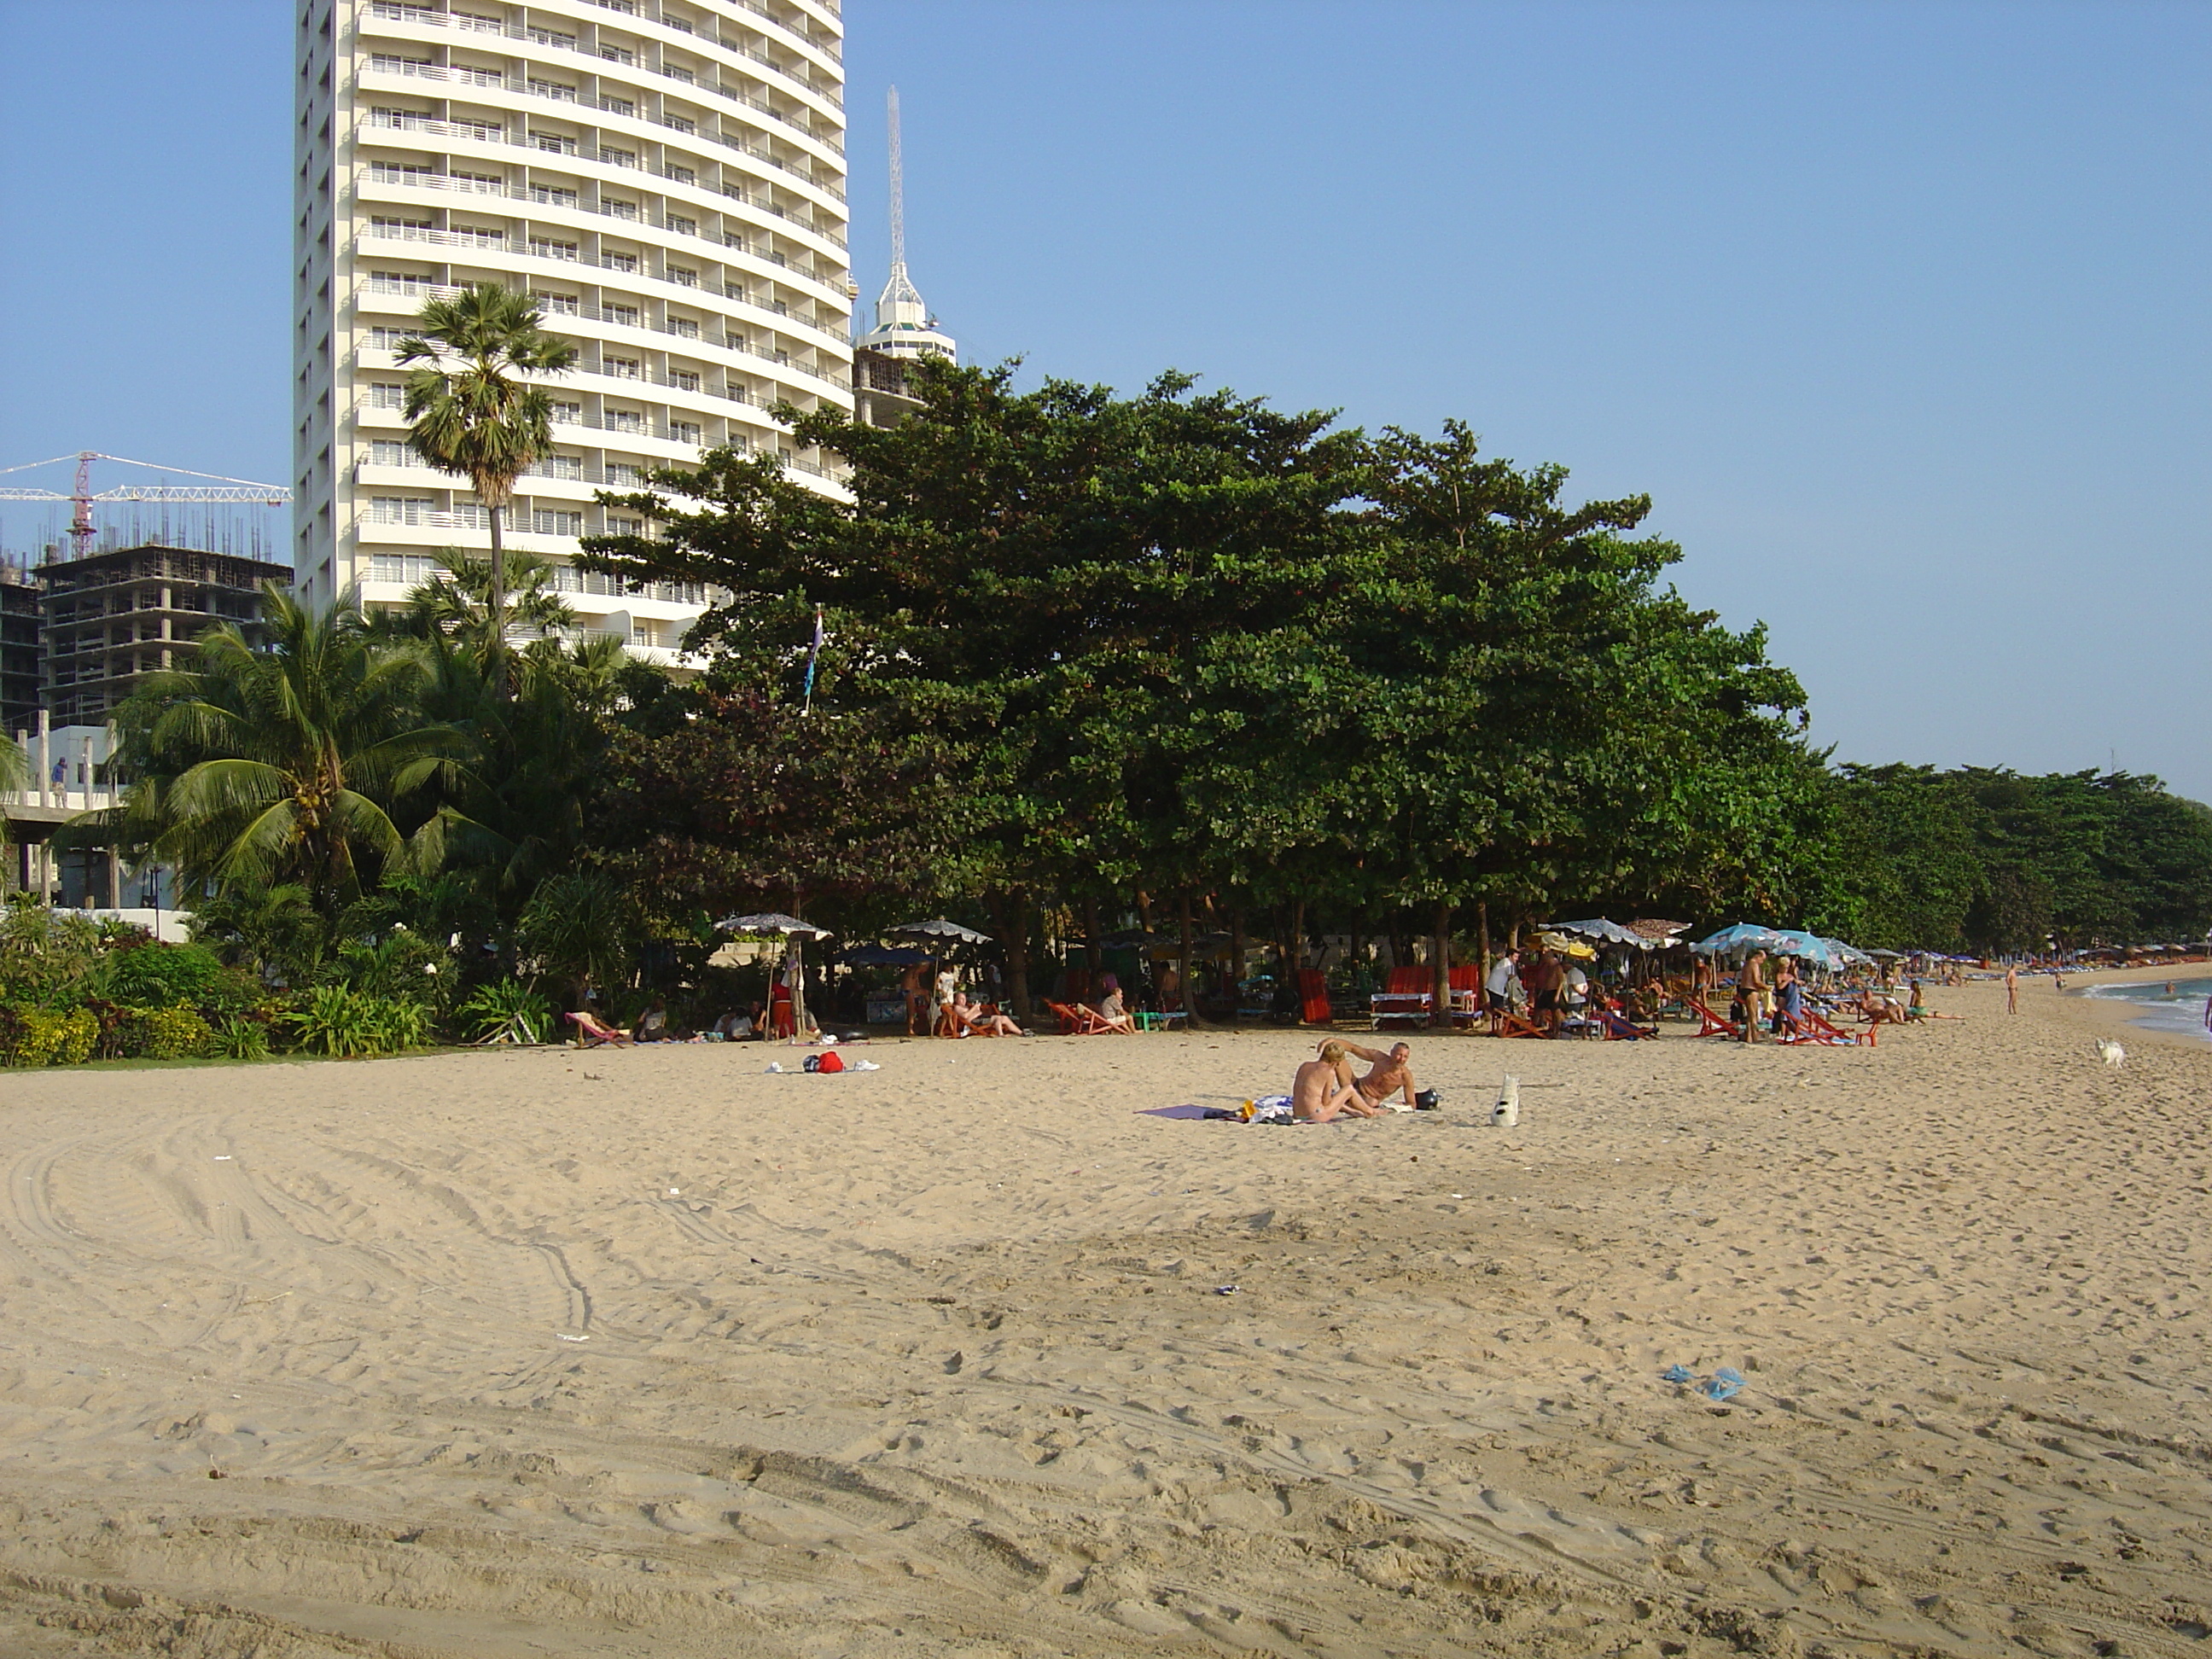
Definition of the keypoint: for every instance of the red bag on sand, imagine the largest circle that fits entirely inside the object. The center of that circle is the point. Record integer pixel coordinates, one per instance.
(831, 1062)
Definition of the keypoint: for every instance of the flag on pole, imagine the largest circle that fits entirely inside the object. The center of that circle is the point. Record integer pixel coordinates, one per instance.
(813, 657)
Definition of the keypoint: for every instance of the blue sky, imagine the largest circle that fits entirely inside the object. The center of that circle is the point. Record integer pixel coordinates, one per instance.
(1897, 311)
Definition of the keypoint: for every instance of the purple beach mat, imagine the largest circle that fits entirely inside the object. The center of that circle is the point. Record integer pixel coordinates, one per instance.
(1172, 1111)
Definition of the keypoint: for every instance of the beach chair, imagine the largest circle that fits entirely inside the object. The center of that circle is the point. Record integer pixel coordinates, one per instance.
(1405, 996)
(1620, 1029)
(1510, 1025)
(1313, 997)
(1711, 1023)
(1815, 1027)
(592, 1032)
(1076, 1020)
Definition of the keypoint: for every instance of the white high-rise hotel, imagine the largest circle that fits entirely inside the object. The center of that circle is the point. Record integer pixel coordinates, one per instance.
(667, 179)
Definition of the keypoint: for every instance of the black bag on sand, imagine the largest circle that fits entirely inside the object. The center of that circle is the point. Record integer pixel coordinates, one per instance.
(1428, 1101)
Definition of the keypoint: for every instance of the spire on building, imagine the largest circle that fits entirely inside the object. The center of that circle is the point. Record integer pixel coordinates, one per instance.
(903, 327)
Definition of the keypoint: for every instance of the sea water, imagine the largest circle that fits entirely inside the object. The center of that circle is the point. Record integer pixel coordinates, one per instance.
(2181, 1010)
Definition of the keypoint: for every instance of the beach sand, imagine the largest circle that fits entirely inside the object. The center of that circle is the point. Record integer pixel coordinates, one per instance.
(649, 1352)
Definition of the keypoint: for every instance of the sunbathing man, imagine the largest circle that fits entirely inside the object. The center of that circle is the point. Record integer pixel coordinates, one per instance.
(1392, 1073)
(1322, 1090)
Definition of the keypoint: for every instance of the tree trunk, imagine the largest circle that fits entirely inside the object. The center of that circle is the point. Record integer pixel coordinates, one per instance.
(1482, 939)
(1192, 1020)
(1237, 965)
(496, 651)
(1440, 980)
(1010, 914)
(1094, 957)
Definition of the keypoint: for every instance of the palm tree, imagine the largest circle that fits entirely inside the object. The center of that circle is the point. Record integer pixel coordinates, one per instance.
(457, 604)
(469, 410)
(258, 766)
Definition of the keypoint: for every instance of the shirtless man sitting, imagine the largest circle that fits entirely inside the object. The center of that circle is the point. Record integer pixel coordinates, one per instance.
(1391, 1074)
(1323, 1089)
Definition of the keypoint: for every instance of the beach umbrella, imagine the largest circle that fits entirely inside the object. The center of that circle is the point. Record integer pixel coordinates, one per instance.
(1612, 932)
(1563, 945)
(1846, 953)
(882, 955)
(792, 930)
(1805, 947)
(1743, 937)
(940, 928)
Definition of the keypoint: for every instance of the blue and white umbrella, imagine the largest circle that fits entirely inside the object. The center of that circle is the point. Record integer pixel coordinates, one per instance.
(1741, 938)
(1612, 932)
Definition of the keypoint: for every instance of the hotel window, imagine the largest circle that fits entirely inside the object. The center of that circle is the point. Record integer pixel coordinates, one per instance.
(560, 91)
(622, 476)
(618, 106)
(626, 315)
(551, 521)
(557, 143)
(554, 304)
(386, 394)
(553, 195)
(546, 37)
(684, 326)
(684, 431)
(624, 526)
(624, 262)
(387, 452)
(618, 54)
(557, 467)
(680, 123)
(682, 175)
(684, 380)
(677, 72)
(544, 248)
(682, 225)
(625, 420)
(567, 414)
(398, 172)
(622, 368)
(392, 63)
(618, 158)
(412, 570)
(615, 208)
(401, 509)
(379, 222)
(683, 275)
(483, 183)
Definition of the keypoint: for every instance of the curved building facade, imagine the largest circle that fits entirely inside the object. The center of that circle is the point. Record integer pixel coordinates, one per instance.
(667, 180)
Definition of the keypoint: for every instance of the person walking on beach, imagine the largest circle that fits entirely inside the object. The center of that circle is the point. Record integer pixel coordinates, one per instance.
(2012, 990)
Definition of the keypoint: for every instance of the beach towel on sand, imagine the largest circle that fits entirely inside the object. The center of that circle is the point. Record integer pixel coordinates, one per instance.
(1269, 1108)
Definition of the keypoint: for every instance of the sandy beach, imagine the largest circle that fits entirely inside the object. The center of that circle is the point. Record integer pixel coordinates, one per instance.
(650, 1351)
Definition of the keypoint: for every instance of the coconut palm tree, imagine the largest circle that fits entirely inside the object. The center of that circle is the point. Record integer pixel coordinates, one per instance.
(457, 603)
(261, 765)
(471, 411)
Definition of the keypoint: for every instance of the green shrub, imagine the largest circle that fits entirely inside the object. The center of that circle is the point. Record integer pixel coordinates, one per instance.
(170, 1034)
(242, 1039)
(335, 1020)
(160, 976)
(505, 1011)
(35, 1037)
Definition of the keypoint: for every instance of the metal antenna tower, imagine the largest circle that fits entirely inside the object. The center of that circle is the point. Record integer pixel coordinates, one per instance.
(898, 187)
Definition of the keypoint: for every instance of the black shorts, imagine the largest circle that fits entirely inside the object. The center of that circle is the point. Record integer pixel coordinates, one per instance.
(1546, 1001)
(1499, 1002)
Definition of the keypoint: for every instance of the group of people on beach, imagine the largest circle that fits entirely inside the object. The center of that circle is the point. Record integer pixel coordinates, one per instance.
(1325, 1088)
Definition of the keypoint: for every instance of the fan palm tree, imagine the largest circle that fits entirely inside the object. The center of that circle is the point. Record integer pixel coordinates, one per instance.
(470, 410)
(258, 766)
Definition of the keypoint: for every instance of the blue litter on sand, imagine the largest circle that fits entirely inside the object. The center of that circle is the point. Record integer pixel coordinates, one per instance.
(1677, 1374)
(1719, 1387)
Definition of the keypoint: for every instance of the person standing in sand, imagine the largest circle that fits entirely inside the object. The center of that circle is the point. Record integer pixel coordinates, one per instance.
(1322, 1090)
(1391, 1073)
(1753, 979)
(2012, 990)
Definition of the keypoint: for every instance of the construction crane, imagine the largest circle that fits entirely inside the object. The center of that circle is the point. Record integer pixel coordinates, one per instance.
(218, 489)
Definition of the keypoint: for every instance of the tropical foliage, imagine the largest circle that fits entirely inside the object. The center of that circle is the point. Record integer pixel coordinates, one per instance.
(1184, 659)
